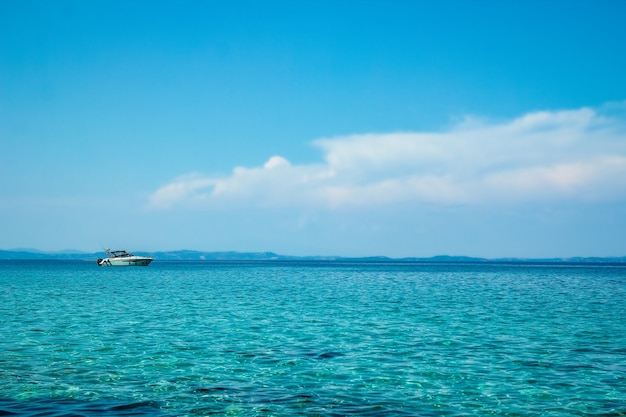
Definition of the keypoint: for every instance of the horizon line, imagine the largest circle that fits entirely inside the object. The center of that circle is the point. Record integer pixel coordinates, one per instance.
(270, 255)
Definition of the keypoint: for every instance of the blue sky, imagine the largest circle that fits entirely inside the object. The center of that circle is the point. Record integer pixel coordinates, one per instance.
(355, 128)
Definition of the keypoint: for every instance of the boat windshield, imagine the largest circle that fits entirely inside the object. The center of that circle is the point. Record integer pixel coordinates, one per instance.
(120, 253)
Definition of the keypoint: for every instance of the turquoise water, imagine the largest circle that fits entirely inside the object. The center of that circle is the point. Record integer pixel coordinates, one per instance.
(312, 339)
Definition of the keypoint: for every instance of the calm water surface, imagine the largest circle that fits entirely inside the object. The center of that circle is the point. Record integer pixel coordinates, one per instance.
(313, 339)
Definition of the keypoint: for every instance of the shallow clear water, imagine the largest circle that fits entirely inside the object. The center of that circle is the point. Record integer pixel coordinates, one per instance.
(315, 339)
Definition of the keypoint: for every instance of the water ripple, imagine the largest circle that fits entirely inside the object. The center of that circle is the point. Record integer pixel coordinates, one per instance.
(312, 339)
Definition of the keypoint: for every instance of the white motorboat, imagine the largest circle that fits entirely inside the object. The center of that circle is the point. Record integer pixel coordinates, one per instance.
(123, 258)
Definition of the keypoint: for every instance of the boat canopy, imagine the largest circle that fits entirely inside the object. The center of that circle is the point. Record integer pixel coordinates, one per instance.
(118, 253)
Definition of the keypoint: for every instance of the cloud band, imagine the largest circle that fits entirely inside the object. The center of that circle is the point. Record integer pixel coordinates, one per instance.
(572, 154)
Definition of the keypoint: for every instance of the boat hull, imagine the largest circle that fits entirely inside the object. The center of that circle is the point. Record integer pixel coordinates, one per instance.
(127, 261)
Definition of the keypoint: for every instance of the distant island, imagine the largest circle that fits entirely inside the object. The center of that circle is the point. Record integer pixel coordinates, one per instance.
(191, 255)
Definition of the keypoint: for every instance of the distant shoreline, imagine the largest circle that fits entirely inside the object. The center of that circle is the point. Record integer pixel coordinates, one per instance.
(190, 255)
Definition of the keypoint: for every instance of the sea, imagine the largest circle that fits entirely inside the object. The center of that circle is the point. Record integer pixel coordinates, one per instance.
(312, 339)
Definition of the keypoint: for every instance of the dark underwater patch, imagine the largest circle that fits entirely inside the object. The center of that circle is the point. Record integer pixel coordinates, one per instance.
(77, 408)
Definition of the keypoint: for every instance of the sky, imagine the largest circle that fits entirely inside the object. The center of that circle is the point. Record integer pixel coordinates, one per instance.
(347, 128)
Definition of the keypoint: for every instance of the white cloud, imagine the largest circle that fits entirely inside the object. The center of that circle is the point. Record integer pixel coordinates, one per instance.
(573, 154)
(181, 189)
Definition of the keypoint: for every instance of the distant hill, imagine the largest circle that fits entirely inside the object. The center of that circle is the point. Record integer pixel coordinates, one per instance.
(190, 255)
(22, 254)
